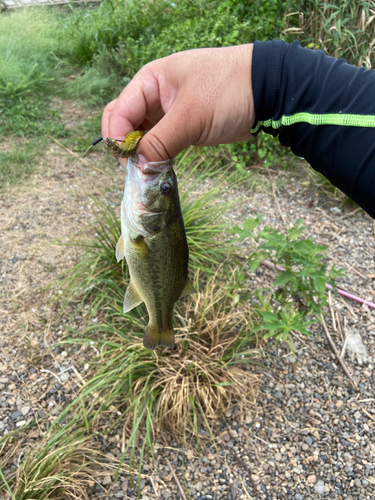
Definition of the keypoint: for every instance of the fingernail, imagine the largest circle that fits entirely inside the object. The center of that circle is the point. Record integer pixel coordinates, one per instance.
(123, 162)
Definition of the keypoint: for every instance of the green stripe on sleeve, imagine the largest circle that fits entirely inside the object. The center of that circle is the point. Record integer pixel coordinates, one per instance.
(345, 120)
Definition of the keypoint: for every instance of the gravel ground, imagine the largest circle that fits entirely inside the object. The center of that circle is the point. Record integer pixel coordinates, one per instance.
(310, 433)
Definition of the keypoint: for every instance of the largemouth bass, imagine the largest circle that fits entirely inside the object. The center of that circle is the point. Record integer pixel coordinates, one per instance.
(153, 242)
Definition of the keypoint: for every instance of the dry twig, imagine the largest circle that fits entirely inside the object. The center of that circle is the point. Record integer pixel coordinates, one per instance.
(337, 354)
(277, 201)
(340, 325)
(176, 479)
(368, 414)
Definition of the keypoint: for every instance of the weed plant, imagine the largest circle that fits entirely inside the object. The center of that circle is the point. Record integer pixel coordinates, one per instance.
(298, 294)
(342, 29)
(142, 30)
(113, 41)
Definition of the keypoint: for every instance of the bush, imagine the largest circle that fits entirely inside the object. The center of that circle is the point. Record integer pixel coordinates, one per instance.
(131, 35)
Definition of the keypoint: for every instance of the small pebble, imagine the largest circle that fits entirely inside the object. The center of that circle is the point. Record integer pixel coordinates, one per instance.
(25, 410)
(319, 487)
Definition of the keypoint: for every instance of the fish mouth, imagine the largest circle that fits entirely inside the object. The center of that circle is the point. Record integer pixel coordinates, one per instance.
(153, 168)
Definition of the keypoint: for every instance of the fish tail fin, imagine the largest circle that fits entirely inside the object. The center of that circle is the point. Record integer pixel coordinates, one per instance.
(155, 337)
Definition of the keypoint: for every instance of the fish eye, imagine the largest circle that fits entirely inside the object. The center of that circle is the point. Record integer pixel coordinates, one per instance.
(165, 188)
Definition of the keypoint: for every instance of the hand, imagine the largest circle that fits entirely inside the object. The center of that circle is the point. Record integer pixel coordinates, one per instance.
(200, 97)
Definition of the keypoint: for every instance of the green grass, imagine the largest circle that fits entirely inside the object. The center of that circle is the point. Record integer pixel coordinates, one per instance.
(29, 72)
(30, 116)
(27, 43)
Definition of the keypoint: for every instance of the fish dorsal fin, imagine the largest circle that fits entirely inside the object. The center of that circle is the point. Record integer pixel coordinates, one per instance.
(120, 249)
(132, 298)
(188, 289)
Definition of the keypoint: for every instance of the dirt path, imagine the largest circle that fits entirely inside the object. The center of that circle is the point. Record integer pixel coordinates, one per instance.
(310, 435)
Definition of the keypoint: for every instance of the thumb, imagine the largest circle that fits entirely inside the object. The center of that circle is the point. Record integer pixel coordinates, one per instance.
(171, 135)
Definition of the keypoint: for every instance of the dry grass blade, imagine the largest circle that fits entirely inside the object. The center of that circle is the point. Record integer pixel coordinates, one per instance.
(337, 354)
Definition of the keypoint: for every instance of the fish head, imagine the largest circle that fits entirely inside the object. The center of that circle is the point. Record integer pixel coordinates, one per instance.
(151, 200)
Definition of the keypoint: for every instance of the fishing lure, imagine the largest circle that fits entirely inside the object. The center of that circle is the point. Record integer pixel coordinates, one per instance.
(129, 145)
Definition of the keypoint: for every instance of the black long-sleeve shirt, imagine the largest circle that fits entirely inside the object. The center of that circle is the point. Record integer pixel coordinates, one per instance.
(323, 109)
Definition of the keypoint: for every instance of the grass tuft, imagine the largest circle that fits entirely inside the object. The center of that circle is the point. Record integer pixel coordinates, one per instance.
(61, 466)
(180, 390)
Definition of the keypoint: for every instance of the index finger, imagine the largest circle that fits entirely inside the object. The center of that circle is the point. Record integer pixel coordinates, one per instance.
(105, 117)
(129, 110)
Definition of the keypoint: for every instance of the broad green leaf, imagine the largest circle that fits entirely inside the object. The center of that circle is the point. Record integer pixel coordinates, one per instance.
(319, 284)
(283, 278)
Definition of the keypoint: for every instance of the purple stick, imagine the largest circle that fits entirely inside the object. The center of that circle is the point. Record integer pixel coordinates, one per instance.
(328, 287)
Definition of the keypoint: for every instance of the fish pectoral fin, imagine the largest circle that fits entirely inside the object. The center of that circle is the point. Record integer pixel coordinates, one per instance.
(140, 247)
(120, 249)
(188, 289)
(132, 298)
(155, 337)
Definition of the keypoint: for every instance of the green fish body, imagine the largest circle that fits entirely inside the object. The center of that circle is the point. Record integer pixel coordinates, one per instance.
(153, 242)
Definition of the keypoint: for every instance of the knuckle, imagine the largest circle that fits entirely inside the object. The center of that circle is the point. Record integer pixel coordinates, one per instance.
(157, 147)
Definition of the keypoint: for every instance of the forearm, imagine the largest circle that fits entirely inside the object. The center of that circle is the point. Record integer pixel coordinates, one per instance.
(323, 108)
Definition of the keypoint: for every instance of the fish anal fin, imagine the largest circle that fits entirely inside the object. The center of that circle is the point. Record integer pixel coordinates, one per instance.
(188, 289)
(132, 298)
(120, 249)
(155, 337)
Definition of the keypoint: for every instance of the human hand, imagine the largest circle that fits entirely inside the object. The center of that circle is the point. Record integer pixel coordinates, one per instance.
(200, 97)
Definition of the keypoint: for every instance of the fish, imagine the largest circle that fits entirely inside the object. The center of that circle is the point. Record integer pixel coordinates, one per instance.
(153, 242)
